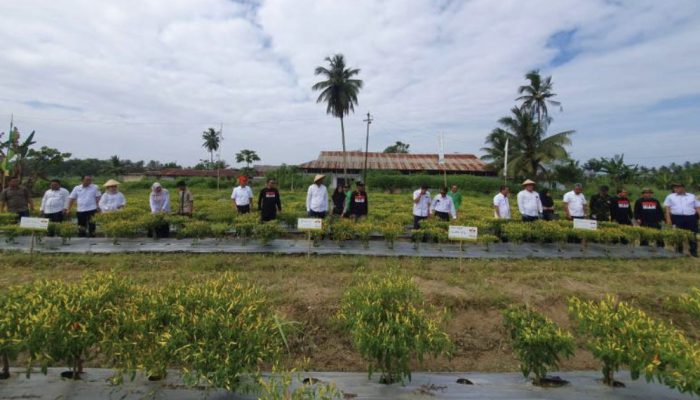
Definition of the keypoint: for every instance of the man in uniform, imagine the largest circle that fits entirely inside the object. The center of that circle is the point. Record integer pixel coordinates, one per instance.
(600, 205)
(620, 208)
(269, 201)
(16, 199)
(682, 212)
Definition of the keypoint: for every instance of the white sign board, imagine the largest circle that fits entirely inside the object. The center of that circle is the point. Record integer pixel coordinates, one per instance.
(34, 223)
(462, 232)
(589, 224)
(309, 224)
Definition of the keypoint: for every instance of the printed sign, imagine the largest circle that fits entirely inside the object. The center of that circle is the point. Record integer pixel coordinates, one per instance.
(41, 224)
(310, 224)
(462, 233)
(589, 224)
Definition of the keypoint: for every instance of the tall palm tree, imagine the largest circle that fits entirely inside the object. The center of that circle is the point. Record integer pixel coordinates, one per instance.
(536, 96)
(212, 140)
(529, 147)
(339, 91)
(247, 156)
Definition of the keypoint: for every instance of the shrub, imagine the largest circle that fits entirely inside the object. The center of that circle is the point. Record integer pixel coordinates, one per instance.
(66, 230)
(245, 225)
(690, 303)
(195, 230)
(391, 231)
(342, 229)
(268, 231)
(119, 229)
(388, 320)
(538, 342)
(363, 230)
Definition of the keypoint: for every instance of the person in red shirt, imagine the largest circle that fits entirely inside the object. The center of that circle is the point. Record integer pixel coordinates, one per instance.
(358, 202)
(620, 208)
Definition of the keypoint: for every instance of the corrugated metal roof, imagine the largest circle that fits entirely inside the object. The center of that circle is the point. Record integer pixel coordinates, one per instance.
(333, 160)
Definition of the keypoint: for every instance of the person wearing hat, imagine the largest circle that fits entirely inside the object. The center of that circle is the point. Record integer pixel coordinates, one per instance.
(421, 205)
(501, 205)
(600, 204)
(185, 200)
(242, 196)
(620, 208)
(86, 197)
(317, 198)
(54, 204)
(682, 209)
(112, 199)
(269, 201)
(358, 206)
(647, 210)
(575, 203)
(529, 203)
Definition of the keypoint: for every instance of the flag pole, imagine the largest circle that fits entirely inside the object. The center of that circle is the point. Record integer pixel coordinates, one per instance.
(505, 165)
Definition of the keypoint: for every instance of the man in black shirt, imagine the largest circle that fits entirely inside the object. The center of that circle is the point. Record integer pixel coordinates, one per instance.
(269, 201)
(620, 208)
(648, 211)
(358, 202)
(600, 205)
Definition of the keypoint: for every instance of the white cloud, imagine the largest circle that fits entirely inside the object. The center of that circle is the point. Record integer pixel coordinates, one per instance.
(142, 79)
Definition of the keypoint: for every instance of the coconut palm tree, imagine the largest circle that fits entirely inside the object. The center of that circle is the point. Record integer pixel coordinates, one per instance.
(529, 147)
(212, 140)
(536, 96)
(247, 157)
(339, 91)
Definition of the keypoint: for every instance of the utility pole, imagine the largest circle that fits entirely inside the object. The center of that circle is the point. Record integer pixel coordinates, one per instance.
(364, 170)
(218, 156)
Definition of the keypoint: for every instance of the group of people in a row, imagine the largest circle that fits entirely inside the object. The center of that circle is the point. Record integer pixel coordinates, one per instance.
(680, 209)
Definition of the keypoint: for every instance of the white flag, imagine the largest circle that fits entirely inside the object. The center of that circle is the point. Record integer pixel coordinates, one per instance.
(505, 161)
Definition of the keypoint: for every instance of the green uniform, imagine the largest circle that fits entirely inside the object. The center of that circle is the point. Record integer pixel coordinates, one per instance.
(456, 199)
(600, 207)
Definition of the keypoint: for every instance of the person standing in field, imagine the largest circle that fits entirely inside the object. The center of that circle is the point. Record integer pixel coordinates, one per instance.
(547, 205)
(421, 205)
(338, 199)
(358, 207)
(242, 196)
(621, 208)
(185, 200)
(529, 203)
(442, 206)
(501, 205)
(317, 198)
(112, 199)
(55, 203)
(269, 201)
(575, 203)
(16, 199)
(682, 211)
(601, 204)
(647, 210)
(159, 201)
(456, 197)
(86, 196)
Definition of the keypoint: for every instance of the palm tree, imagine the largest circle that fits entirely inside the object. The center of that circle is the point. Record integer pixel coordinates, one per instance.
(529, 147)
(339, 92)
(212, 140)
(536, 96)
(247, 156)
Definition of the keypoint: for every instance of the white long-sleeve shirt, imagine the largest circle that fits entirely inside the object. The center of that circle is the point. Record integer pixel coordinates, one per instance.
(529, 203)
(422, 208)
(317, 198)
(160, 202)
(242, 195)
(445, 205)
(112, 201)
(55, 201)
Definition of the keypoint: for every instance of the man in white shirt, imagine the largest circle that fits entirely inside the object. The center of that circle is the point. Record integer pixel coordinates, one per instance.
(682, 210)
(575, 203)
(112, 199)
(317, 198)
(442, 206)
(55, 203)
(86, 197)
(421, 205)
(529, 203)
(242, 196)
(501, 206)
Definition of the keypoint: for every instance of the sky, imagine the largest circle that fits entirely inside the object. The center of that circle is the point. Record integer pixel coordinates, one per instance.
(142, 79)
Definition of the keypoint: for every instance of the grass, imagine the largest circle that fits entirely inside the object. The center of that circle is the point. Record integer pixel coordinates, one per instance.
(309, 290)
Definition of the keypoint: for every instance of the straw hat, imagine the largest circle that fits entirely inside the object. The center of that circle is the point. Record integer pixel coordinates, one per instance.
(111, 182)
(528, 182)
(318, 177)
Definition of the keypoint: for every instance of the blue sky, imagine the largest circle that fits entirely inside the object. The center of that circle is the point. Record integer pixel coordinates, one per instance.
(143, 79)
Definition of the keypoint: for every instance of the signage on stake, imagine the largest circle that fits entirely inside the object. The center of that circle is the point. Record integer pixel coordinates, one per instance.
(589, 224)
(309, 224)
(40, 224)
(462, 232)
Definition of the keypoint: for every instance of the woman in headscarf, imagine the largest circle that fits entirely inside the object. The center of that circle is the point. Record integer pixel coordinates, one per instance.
(160, 204)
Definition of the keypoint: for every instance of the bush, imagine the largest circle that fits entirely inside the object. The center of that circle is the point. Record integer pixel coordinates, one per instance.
(388, 320)
(67, 231)
(119, 229)
(391, 231)
(538, 342)
(268, 231)
(690, 303)
(195, 230)
(392, 181)
(245, 225)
